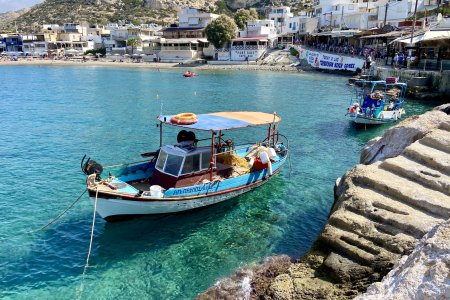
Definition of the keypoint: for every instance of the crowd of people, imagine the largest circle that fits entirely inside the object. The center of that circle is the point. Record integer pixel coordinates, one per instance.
(349, 50)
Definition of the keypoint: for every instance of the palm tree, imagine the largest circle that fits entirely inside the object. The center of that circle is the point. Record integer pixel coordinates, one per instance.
(133, 42)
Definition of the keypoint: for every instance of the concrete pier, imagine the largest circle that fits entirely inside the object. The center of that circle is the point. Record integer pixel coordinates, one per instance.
(435, 82)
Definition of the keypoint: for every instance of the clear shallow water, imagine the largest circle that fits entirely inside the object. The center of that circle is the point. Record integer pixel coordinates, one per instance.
(51, 116)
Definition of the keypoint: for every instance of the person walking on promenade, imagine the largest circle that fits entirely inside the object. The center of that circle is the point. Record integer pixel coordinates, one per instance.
(395, 60)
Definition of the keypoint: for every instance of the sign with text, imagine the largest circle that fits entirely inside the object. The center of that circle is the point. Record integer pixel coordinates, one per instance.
(327, 61)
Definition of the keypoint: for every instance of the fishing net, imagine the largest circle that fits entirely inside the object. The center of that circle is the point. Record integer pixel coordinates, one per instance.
(238, 163)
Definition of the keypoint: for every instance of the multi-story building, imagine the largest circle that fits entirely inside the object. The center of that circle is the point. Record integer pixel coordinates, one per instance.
(34, 44)
(192, 17)
(187, 40)
(253, 41)
(344, 14)
(395, 11)
(13, 43)
(280, 15)
(2, 44)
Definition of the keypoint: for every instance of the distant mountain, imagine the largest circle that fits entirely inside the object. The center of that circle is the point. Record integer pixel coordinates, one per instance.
(7, 18)
(102, 12)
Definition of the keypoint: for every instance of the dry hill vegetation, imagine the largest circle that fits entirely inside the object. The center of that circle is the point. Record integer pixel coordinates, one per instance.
(102, 12)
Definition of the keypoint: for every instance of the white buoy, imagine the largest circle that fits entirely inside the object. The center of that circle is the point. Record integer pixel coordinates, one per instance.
(264, 157)
(272, 153)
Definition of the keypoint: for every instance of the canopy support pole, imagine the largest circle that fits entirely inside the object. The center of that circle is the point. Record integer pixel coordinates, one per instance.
(211, 162)
(160, 134)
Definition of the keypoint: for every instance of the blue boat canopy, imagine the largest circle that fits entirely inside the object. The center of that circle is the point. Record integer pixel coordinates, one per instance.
(225, 120)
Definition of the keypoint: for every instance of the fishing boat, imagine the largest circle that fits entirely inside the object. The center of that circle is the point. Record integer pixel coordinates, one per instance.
(191, 173)
(375, 102)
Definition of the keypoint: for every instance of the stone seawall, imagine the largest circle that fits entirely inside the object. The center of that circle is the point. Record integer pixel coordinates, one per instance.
(382, 208)
(436, 82)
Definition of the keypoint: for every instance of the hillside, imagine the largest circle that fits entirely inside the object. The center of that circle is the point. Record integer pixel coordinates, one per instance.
(7, 18)
(103, 12)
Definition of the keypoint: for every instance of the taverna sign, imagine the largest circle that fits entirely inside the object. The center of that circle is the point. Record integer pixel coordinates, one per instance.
(328, 61)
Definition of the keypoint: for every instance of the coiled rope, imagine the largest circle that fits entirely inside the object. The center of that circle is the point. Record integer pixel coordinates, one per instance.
(80, 289)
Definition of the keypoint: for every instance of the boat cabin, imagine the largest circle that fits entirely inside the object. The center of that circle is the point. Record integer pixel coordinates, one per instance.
(178, 160)
(185, 164)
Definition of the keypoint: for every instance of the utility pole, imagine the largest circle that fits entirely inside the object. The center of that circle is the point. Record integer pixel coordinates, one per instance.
(331, 20)
(367, 15)
(412, 35)
(342, 18)
(385, 13)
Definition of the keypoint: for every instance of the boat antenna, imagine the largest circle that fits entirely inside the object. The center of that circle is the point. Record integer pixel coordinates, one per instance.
(161, 101)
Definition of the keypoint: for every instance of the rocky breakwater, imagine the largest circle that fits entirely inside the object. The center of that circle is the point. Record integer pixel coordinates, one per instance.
(383, 207)
(424, 274)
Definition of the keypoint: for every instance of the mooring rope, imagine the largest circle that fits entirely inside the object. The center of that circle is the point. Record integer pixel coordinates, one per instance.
(80, 289)
(59, 216)
(290, 165)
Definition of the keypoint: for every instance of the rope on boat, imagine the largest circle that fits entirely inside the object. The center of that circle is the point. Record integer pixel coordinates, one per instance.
(80, 290)
(59, 216)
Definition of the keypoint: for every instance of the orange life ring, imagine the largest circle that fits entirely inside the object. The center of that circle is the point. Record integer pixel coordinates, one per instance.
(184, 119)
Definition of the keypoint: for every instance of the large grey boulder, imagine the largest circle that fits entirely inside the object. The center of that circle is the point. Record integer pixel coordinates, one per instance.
(424, 274)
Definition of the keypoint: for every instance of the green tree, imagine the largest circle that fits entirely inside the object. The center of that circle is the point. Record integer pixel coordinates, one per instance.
(133, 43)
(221, 31)
(243, 15)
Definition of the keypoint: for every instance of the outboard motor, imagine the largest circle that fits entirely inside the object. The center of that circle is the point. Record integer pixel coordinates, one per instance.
(91, 167)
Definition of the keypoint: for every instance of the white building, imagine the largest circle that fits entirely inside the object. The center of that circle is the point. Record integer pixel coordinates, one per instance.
(119, 35)
(72, 27)
(192, 17)
(307, 25)
(259, 28)
(78, 48)
(253, 41)
(280, 15)
(398, 10)
(34, 44)
(343, 14)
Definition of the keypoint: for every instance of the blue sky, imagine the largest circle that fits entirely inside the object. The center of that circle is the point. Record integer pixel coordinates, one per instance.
(12, 5)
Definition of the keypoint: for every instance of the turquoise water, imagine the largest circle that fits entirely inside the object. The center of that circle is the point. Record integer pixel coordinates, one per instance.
(52, 116)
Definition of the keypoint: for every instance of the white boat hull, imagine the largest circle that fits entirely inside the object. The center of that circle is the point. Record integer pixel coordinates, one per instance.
(108, 208)
(385, 117)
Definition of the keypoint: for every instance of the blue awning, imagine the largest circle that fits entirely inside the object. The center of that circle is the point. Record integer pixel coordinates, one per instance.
(226, 120)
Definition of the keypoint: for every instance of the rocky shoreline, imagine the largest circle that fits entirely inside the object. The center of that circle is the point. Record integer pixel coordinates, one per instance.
(282, 67)
(383, 207)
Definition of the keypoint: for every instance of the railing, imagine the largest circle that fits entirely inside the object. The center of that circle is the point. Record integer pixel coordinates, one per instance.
(433, 64)
(249, 47)
(176, 48)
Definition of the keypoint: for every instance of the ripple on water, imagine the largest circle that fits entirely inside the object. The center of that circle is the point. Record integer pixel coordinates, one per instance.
(61, 113)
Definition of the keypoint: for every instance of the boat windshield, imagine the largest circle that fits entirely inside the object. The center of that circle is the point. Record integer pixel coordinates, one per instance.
(171, 163)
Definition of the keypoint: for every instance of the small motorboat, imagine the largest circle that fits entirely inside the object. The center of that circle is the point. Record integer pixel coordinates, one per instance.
(191, 173)
(189, 74)
(375, 102)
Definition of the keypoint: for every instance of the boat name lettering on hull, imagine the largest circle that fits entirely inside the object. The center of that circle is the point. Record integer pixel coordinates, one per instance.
(190, 190)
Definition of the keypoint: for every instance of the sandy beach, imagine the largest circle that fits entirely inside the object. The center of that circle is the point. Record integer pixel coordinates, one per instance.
(149, 65)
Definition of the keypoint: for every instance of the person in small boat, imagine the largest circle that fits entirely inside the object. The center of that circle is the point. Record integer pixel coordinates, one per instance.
(391, 105)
